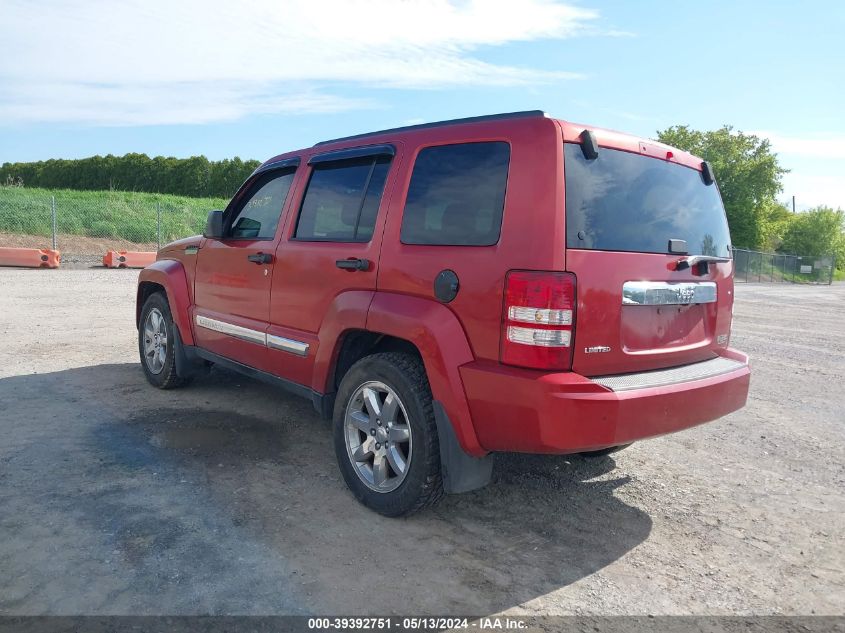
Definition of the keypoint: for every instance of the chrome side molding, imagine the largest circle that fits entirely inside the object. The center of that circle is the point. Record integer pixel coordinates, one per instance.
(253, 336)
(287, 345)
(662, 293)
(243, 333)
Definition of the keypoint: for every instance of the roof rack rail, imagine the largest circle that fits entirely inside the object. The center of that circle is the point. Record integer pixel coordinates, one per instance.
(473, 119)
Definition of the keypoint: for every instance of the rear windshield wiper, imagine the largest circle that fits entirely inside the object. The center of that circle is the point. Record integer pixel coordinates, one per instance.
(702, 261)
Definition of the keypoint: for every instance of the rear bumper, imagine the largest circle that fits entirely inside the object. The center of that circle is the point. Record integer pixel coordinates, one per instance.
(526, 411)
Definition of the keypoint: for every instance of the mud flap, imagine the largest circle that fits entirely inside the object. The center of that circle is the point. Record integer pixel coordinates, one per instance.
(461, 472)
(188, 364)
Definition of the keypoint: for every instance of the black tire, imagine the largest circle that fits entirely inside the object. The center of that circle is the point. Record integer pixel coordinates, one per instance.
(166, 377)
(604, 451)
(422, 484)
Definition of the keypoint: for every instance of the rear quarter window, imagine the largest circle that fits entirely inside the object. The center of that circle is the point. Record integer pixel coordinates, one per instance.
(457, 195)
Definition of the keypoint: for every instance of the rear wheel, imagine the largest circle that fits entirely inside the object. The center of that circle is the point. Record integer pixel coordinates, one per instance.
(385, 436)
(605, 451)
(156, 337)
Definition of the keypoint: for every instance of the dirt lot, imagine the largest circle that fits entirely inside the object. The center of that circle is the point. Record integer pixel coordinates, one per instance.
(224, 497)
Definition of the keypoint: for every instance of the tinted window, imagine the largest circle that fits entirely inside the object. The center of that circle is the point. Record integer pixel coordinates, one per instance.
(259, 215)
(627, 202)
(456, 195)
(342, 200)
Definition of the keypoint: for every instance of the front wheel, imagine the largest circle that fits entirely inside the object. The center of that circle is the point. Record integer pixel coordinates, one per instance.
(156, 338)
(385, 436)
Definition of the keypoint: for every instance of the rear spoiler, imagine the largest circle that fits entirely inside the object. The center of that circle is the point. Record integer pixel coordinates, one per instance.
(590, 148)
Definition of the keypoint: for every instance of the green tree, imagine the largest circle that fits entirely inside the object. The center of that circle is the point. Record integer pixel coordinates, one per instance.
(747, 172)
(195, 176)
(778, 218)
(816, 233)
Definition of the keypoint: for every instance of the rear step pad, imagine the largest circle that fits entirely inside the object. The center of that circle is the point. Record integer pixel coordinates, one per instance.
(672, 375)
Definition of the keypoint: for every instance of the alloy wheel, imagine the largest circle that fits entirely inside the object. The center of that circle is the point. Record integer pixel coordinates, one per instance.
(378, 436)
(155, 341)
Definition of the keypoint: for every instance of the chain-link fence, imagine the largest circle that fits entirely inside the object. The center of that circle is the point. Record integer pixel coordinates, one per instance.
(83, 225)
(755, 266)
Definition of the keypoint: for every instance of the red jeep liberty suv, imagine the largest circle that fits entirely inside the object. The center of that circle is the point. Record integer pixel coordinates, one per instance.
(446, 291)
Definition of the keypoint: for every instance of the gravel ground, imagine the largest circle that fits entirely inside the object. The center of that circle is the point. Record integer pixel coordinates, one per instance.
(224, 497)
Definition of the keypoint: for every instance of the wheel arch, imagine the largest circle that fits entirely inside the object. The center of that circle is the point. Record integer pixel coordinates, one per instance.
(462, 471)
(145, 289)
(438, 338)
(168, 276)
(355, 344)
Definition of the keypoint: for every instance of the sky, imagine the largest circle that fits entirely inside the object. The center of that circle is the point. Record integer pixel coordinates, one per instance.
(257, 78)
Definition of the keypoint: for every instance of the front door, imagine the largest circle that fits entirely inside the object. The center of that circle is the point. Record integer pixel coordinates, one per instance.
(233, 275)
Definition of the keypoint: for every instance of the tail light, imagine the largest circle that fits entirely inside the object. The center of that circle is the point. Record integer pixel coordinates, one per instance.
(538, 322)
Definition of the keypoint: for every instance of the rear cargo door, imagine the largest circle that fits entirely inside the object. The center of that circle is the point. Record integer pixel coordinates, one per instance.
(637, 228)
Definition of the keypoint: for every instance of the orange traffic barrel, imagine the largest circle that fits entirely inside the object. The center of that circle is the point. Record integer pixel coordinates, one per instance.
(128, 259)
(30, 257)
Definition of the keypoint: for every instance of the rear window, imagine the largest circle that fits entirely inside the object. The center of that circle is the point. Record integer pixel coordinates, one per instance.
(456, 195)
(342, 200)
(622, 201)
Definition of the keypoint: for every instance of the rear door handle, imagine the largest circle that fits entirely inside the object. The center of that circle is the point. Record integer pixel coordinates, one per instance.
(260, 258)
(353, 264)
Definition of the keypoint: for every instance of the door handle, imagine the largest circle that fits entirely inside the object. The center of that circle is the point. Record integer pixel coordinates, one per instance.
(353, 264)
(260, 258)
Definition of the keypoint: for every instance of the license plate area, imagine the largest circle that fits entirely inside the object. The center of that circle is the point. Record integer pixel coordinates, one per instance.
(664, 316)
(666, 327)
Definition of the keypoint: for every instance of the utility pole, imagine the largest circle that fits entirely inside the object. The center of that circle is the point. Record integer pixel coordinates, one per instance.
(793, 204)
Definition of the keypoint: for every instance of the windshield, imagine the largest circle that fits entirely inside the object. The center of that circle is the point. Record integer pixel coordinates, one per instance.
(622, 201)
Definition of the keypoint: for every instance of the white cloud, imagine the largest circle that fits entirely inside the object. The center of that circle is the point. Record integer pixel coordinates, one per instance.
(817, 167)
(813, 190)
(159, 103)
(145, 62)
(814, 146)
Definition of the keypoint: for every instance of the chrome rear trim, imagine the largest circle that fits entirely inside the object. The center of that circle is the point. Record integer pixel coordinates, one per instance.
(662, 293)
(670, 376)
(287, 345)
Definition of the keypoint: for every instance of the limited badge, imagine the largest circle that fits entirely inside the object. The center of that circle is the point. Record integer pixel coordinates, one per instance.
(596, 349)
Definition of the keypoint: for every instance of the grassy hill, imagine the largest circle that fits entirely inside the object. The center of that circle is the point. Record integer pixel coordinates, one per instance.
(127, 216)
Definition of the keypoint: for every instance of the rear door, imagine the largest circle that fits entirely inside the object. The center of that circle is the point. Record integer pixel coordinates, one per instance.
(641, 305)
(331, 246)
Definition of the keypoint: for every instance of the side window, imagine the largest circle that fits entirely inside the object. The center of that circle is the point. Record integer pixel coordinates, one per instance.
(259, 214)
(457, 195)
(342, 200)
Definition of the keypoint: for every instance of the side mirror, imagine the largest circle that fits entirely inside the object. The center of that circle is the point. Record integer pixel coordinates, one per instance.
(214, 226)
